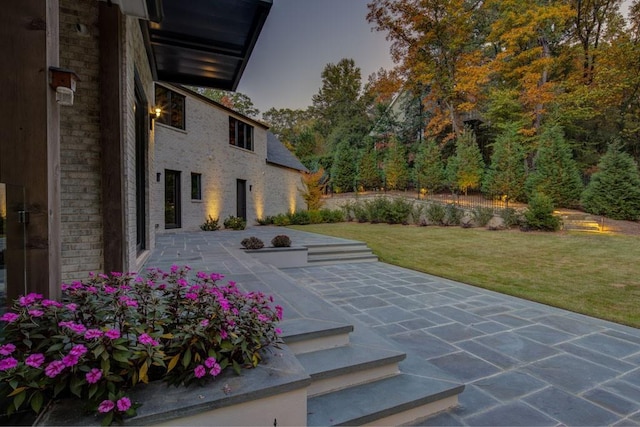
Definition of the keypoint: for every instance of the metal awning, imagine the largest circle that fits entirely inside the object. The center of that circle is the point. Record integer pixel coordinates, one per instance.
(205, 42)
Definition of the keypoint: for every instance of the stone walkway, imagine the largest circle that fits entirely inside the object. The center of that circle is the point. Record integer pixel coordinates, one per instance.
(522, 363)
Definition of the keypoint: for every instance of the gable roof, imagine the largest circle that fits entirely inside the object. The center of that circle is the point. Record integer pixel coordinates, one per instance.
(278, 154)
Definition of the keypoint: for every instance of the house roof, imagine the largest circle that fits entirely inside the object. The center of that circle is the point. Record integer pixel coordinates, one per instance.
(278, 154)
(204, 42)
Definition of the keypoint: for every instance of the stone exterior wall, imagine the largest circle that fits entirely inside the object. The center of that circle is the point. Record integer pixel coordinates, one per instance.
(203, 147)
(80, 146)
(80, 164)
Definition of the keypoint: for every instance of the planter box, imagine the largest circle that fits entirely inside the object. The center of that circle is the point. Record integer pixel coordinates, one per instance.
(280, 257)
(274, 391)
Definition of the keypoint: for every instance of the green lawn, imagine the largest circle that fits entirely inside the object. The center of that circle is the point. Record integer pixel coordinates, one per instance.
(589, 273)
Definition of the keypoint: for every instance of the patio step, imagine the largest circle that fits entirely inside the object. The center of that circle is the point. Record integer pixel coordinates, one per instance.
(342, 367)
(397, 400)
(581, 222)
(358, 380)
(332, 253)
(307, 335)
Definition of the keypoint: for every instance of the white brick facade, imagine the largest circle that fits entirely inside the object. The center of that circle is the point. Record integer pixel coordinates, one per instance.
(203, 148)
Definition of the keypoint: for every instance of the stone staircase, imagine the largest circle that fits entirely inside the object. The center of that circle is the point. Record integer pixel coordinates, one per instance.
(336, 253)
(356, 381)
(581, 222)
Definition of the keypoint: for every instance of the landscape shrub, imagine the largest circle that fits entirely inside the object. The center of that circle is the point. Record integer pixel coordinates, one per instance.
(332, 215)
(482, 215)
(378, 210)
(539, 214)
(211, 224)
(281, 241)
(300, 218)
(416, 213)
(399, 211)
(435, 213)
(281, 220)
(110, 333)
(511, 217)
(267, 220)
(235, 223)
(360, 212)
(252, 243)
(453, 214)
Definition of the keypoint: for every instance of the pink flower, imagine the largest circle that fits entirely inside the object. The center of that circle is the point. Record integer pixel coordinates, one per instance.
(145, 339)
(278, 331)
(216, 276)
(29, 299)
(109, 290)
(215, 371)
(8, 363)
(50, 303)
(72, 307)
(204, 323)
(93, 376)
(199, 372)
(54, 368)
(123, 404)
(106, 406)
(70, 360)
(191, 295)
(35, 360)
(93, 333)
(183, 283)
(78, 350)
(9, 317)
(279, 311)
(36, 313)
(7, 349)
(223, 334)
(77, 328)
(112, 334)
(263, 318)
(210, 362)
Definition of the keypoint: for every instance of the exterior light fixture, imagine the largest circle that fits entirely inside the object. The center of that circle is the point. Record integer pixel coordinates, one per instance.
(64, 82)
(155, 115)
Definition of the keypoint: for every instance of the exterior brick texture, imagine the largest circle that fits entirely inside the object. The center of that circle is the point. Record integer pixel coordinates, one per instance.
(203, 148)
(80, 149)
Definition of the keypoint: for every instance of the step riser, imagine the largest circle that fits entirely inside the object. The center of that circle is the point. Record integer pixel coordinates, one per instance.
(415, 415)
(341, 261)
(319, 343)
(327, 385)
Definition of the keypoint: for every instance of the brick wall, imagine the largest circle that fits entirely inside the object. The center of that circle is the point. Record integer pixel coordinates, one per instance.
(80, 143)
(203, 147)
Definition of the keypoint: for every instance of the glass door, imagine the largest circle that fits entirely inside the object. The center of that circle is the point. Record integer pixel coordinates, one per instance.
(172, 198)
(13, 223)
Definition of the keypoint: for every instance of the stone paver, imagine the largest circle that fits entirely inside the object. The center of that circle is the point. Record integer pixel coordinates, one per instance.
(523, 363)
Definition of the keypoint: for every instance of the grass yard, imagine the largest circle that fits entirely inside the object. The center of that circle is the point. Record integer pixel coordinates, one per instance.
(589, 273)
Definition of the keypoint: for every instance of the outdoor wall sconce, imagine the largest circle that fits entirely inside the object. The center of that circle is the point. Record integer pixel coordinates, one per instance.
(64, 82)
(155, 115)
(158, 174)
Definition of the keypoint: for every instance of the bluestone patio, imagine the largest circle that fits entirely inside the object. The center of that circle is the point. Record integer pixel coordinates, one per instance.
(521, 363)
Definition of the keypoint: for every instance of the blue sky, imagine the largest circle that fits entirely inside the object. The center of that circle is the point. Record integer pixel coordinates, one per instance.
(299, 38)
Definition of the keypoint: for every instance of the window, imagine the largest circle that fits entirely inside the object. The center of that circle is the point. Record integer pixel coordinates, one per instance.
(173, 105)
(240, 134)
(196, 186)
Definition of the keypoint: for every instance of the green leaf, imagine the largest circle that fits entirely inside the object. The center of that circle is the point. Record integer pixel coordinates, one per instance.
(98, 350)
(236, 367)
(75, 386)
(36, 401)
(92, 390)
(107, 419)
(186, 359)
(16, 391)
(105, 365)
(121, 356)
(55, 347)
(19, 399)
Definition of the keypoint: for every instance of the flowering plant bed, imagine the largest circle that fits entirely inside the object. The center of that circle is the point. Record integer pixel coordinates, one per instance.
(115, 331)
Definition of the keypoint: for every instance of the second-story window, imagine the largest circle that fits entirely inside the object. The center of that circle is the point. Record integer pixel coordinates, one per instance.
(240, 134)
(173, 107)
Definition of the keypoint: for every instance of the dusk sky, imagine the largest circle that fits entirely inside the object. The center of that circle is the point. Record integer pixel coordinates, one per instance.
(299, 38)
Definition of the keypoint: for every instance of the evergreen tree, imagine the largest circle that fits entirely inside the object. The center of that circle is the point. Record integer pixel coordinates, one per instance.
(556, 173)
(429, 168)
(506, 175)
(396, 171)
(614, 190)
(368, 173)
(343, 170)
(470, 166)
